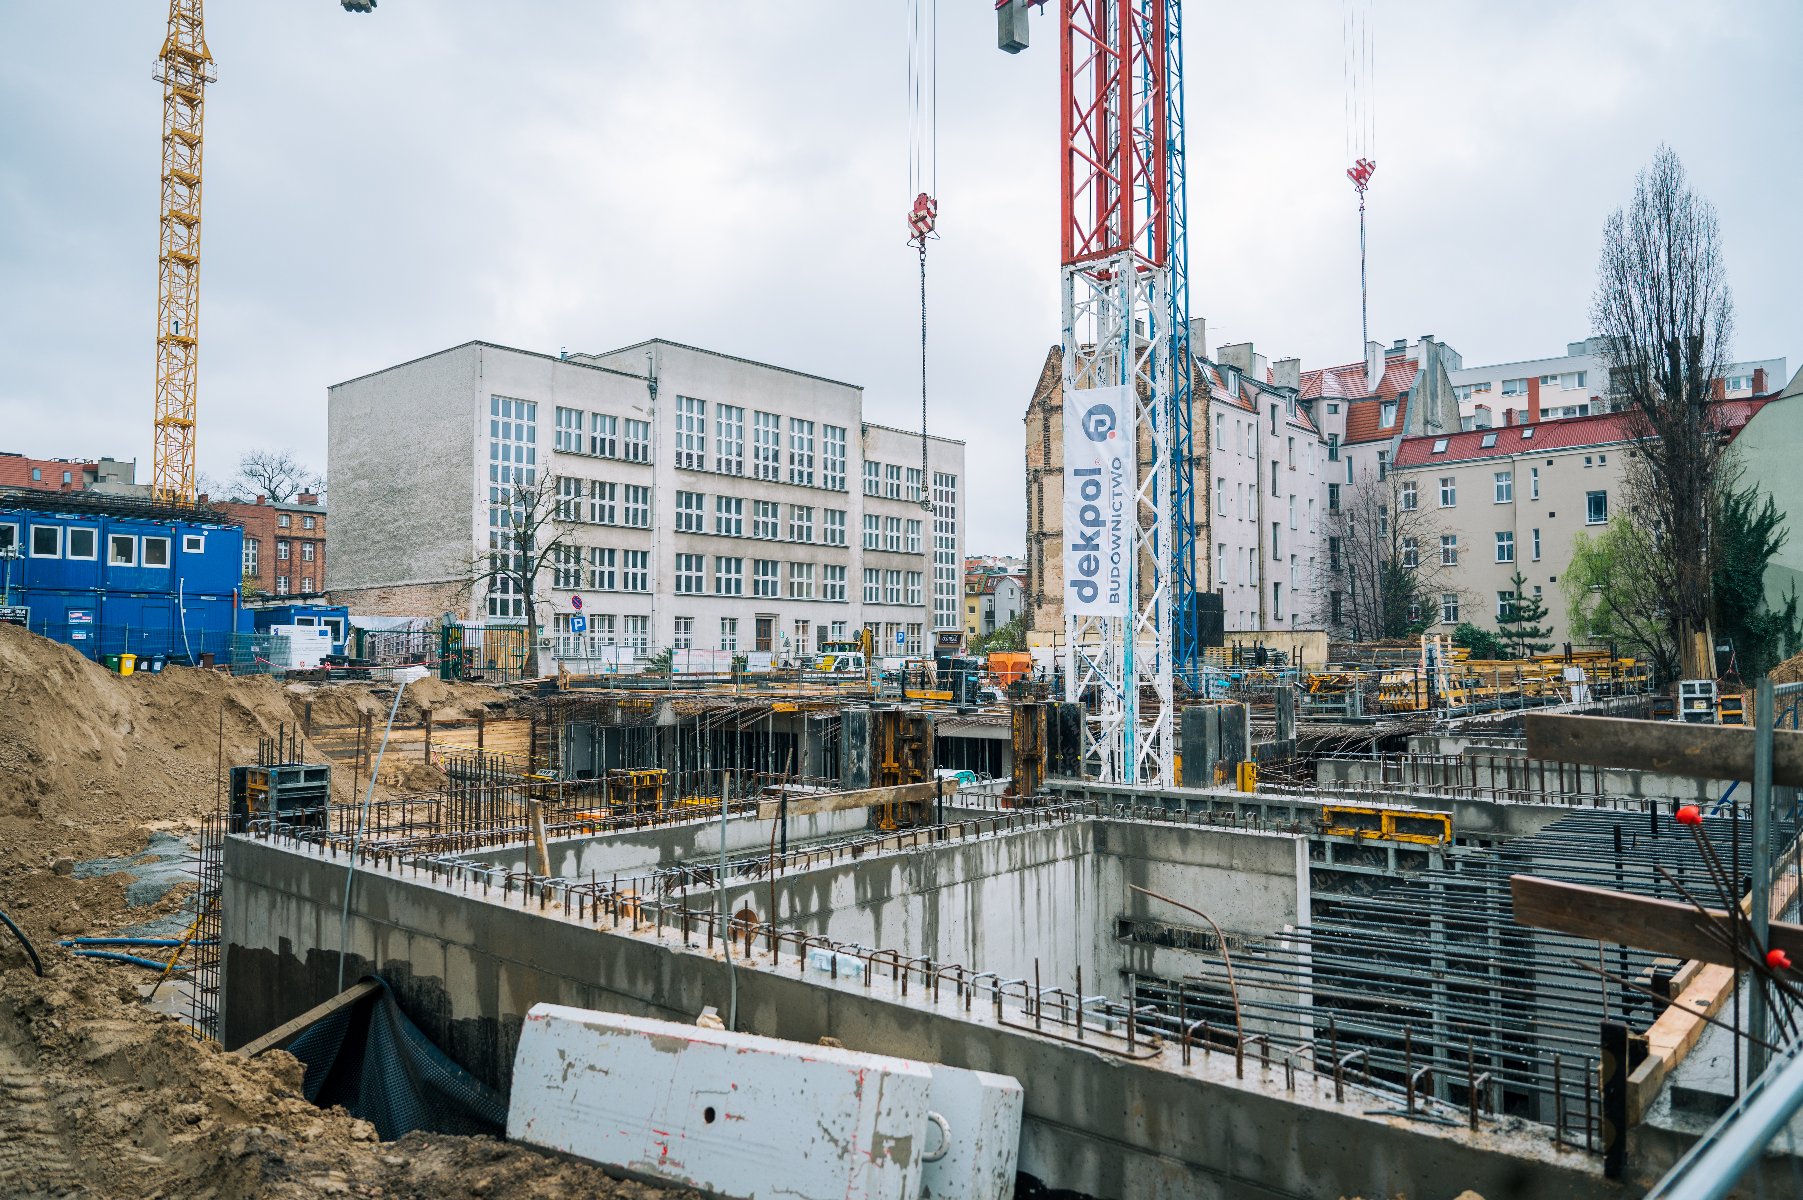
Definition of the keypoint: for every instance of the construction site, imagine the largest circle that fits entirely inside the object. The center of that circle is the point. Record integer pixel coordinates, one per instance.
(1317, 937)
(449, 885)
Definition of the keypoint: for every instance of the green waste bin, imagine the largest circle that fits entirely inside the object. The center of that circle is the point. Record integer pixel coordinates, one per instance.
(112, 662)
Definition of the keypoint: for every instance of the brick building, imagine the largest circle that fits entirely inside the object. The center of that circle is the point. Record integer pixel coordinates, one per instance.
(284, 544)
(69, 474)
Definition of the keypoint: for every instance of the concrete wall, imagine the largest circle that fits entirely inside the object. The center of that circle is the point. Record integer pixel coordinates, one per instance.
(401, 458)
(1048, 899)
(467, 969)
(698, 843)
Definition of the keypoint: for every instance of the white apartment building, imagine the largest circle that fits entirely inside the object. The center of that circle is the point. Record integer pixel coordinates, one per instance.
(1574, 384)
(710, 503)
(1268, 464)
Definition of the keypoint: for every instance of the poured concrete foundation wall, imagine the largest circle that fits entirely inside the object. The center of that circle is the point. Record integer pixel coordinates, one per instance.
(698, 843)
(467, 967)
(1046, 899)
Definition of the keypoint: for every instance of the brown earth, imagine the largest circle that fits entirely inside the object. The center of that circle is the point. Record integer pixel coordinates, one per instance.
(99, 1096)
(91, 762)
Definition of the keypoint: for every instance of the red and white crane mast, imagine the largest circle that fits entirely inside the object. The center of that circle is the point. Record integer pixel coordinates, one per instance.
(1123, 376)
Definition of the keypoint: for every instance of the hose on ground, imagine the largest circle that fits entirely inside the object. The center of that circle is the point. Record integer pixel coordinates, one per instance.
(115, 956)
(37, 964)
(127, 941)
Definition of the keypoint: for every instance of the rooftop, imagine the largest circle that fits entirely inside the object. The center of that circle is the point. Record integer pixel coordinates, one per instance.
(1545, 437)
(89, 503)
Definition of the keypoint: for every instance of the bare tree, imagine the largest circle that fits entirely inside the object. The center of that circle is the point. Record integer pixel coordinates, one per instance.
(1663, 305)
(532, 541)
(276, 474)
(1383, 559)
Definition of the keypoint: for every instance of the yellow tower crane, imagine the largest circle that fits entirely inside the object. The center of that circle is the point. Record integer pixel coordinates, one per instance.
(184, 68)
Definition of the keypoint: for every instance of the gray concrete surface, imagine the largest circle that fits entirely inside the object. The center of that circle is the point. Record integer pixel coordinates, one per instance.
(467, 967)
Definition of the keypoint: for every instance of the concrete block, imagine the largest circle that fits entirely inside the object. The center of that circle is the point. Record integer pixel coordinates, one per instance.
(982, 1115)
(729, 1113)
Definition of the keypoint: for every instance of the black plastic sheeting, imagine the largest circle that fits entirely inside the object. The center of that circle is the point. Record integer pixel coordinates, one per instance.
(375, 1062)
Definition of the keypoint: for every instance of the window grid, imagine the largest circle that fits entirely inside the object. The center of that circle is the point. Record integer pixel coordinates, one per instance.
(691, 433)
(729, 576)
(729, 439)
(767, 446)
(801, 452)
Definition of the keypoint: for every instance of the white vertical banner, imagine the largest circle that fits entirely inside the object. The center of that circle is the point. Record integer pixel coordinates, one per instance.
(1100, 481)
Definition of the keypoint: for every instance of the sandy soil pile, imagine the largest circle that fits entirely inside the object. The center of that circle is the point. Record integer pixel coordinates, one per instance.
(101, 1097)
(337, 704)
(93, 763)
(1788, 671)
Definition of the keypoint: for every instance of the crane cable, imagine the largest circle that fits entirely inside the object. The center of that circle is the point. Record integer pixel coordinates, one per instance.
(923, 172)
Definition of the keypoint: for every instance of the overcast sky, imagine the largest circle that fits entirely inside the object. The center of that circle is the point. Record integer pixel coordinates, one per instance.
(550, 173)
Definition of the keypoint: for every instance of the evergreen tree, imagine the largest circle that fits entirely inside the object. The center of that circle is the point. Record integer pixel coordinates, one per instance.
(1480, 641)
(1748, 534)
(1518, 625)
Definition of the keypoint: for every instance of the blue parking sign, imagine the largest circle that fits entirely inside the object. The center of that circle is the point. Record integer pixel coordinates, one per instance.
(578, 623)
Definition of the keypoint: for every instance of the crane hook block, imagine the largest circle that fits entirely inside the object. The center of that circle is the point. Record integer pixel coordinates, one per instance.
(923, 218)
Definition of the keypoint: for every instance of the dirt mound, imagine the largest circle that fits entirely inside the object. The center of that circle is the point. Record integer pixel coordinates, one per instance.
(101, 1097)
(88, 758)
(338, 704)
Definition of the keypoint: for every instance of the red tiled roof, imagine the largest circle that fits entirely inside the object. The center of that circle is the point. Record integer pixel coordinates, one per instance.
(1566, 433)
(1363, 417)
(1348, 382)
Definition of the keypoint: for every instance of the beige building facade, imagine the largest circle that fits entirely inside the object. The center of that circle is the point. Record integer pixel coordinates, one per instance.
(1514, 499)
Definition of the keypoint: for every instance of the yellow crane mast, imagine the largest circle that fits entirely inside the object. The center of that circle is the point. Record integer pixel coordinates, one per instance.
(184, 68)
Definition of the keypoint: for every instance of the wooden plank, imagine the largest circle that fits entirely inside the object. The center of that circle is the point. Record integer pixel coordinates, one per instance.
(1661, 926)
(802, 806)
(290, 1029)
(1668, 747)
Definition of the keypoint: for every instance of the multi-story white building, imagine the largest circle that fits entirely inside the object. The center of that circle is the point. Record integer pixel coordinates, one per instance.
(708, 502)
(1574, 384)
(1268, 464)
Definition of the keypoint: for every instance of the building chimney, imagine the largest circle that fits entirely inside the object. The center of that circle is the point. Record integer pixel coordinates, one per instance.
(306, 498)
(1239, 356)
(1374, 367)
(1287, 372)
(259, 499)
(1533, 413)
(1198, 336)
(1759, 381)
